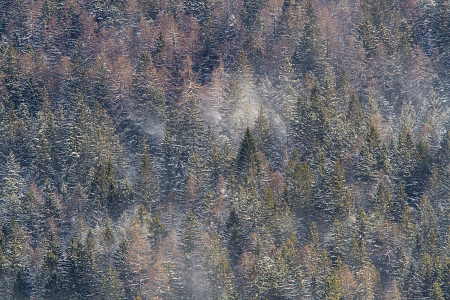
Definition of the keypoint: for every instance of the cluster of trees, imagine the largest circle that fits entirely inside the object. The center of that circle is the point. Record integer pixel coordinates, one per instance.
(254, 149)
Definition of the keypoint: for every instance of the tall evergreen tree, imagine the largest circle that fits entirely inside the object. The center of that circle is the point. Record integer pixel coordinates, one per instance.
(247, 160)
(149, 100)
(373, 156)
(11, 189)
(146, 187)
(310, 51)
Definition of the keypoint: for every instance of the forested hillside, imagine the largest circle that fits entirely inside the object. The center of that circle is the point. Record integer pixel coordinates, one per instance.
(224, 149)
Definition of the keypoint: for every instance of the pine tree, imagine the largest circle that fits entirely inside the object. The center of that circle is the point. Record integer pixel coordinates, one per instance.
(383, 200)
(157, 231)
(220, 275)
(12, 80)
(111, 288)
(195, 189)
(354, 114)
(190, 244)
(298, 183)
(373, 156)
(215, 166)
(192, 130)
(146, 187)
(151, 8)
(398, 205)
(334, 291)
(149, 99)
(76, 81)
(104, 190)
(22, 286)
(234, 236)
(289, 25)
(80, 143)
(428, 223)
(171, 171)
(265, 139)
(422, 169)
(368, 36)
(42, 160)
(100, 86)
(121, 263)
(310, 51)
(404, 158)
(311, 123)
(51, 269)
(200, 10)
(250, 10)
(338, 189)
(294, 276)
(52, 207)
(11, 189)
(33, 215)
(81, 269)
(247, 160)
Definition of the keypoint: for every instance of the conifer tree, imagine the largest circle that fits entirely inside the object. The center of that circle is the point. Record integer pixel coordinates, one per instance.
(111, 288)
(121, 264)
(250, 10)
(199, 9)
(76, 81)
(354, 115)
(171, 171)
(373, 156)
(422, 169)
(338, 189)
(192, 130)
(383, 200)
(312, 123)
(148, 97)
(218, 270)
(190, 245)
(100, 86)
(22, 286)
(11, 189)
(81, 269)
(294, 276)
(104, 190)
(147, 187)
(265, 139)
(234, 236)
(334, 291)
(80, 143)
(404, 158)
(52, 206)
(247, 160)
(32, 218)
(298, 183)
(214, 166)
(310, 51)
(51, 269)
(42, 160)
(12, 79)
(157, 231)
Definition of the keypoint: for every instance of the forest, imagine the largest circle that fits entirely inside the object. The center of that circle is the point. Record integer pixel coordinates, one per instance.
(224, 149)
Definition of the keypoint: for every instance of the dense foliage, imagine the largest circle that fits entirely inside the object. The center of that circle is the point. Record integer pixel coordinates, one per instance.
(206, 149)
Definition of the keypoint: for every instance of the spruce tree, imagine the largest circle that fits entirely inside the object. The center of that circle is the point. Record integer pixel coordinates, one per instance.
(11, 189)
(247, 160)
(310, 52)
(146, 187)
(373, 156)
(148, 98)
(298, 183)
